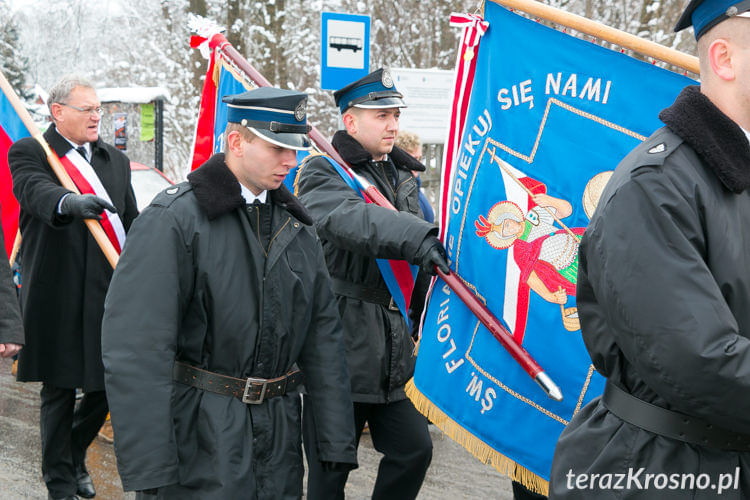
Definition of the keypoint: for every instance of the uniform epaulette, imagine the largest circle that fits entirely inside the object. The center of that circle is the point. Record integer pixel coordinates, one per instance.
(654, 150)
(169, 195)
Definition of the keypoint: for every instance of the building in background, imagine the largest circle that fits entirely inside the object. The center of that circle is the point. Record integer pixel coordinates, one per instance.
(133, 121)
(429, 93)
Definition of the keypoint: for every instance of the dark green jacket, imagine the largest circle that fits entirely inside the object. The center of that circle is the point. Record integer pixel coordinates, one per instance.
(193, 285)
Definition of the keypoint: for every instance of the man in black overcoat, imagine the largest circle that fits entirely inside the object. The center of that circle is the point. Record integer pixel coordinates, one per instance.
(219, 306)
(663, 295)
(65, 279)
(379, 347)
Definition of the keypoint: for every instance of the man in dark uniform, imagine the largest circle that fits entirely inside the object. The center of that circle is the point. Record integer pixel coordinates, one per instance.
(65, 279)
(11, 327)
(380, 349)
(220, 298)
(664, 295)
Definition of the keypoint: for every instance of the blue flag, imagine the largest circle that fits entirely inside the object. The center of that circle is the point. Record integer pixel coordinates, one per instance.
(546, 119)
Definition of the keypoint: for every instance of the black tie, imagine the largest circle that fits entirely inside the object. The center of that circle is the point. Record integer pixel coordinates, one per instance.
(259, 214)
(82, 151)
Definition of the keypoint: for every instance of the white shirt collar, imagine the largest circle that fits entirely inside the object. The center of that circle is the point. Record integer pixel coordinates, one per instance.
(747, 134)
(250, 197)
(86, 146)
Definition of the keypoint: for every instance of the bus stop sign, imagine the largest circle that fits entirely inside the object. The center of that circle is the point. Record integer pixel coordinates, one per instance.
(345, 49)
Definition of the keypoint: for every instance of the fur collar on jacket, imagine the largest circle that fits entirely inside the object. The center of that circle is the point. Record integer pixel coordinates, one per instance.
(218, 192)
(717, 140)
(355, 155)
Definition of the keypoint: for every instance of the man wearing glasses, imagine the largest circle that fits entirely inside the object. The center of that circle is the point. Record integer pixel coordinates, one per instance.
(66, 277)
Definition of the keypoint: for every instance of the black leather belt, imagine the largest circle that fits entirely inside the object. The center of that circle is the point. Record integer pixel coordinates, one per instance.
(250, 390)
(670, 423)
(365, 293)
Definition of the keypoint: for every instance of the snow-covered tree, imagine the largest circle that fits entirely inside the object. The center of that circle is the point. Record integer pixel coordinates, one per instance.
(125, 43)
(13, 64)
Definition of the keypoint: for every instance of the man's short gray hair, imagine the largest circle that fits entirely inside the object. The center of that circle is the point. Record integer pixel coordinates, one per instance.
(60, 92)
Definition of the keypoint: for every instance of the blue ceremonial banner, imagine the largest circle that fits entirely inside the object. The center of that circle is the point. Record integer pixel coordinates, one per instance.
(549, 116)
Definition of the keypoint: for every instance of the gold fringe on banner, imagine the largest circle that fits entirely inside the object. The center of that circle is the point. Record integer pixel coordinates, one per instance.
(304, 161)
(485, 453)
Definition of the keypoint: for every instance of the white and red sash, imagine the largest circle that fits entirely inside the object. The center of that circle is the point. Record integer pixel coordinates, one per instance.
(88, 182)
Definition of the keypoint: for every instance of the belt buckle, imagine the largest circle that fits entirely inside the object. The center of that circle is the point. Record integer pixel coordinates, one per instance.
(246, 396)
(392, 305)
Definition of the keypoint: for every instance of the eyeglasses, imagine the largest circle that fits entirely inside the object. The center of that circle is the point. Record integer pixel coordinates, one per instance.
(91, 110)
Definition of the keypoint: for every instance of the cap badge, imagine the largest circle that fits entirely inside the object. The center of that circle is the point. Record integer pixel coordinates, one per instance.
(387, 80)
(299, 111)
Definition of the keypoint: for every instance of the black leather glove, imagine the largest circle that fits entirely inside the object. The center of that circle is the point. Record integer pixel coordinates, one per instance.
(85, 206)
(430, 254)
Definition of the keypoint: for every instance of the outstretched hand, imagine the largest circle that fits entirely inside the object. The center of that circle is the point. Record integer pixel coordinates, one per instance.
(85, 206)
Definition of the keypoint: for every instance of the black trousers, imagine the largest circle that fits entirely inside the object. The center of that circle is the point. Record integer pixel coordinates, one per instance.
(521, 492)
(67, 432)
(398, 431)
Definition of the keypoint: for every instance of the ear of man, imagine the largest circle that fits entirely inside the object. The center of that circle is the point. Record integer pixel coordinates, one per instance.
(720, 59)
(56, 110)
(234, 135)
(719, 45)
(351, 120)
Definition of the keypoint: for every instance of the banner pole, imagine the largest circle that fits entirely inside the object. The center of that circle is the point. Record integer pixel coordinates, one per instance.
(604, 32)
(16, 246)
(501, 334)
(54, 162)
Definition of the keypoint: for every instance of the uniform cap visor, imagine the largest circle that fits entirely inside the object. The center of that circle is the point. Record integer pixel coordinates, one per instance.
(706, 22)
(686, 19)
(298, 142)
(385, 102)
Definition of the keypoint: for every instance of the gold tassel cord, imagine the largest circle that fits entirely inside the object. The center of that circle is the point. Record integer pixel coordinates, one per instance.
(481, 450)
